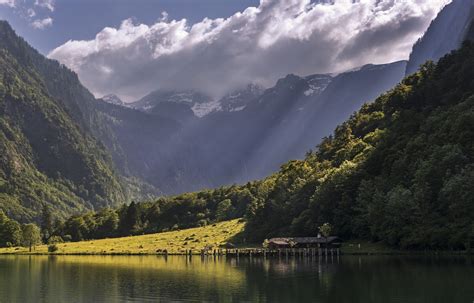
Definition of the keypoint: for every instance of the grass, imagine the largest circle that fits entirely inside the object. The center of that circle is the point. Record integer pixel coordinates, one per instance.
(175, 242)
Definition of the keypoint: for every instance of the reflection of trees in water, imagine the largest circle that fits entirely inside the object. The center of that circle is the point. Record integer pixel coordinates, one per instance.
(347, 279)
(113, 278)
(288, 280)
(359, 279)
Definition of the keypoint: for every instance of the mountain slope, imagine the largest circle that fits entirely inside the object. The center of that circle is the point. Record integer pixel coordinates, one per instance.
(48, 157)
(226, 146)
(446, 33)
(284, 123)
(398, 170)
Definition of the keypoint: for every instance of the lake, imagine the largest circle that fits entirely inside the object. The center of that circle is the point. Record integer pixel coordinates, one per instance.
(180, 279)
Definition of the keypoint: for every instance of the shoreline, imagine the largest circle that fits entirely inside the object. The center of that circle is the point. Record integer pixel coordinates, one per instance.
(246, 254)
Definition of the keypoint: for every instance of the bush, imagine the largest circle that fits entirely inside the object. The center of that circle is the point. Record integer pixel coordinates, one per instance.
(202, 222)
(55, 240)
(53, 248)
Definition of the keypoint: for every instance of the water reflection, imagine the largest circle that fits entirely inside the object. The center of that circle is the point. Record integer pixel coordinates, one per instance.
(220, 279)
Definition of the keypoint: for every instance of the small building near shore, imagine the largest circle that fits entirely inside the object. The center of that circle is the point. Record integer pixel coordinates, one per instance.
(304, 242)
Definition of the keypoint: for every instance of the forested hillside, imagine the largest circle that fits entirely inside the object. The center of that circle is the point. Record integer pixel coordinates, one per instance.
(400, 170)
(48, 157)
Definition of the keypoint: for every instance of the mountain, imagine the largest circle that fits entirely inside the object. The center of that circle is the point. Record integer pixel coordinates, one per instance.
(399, 171)
(200, 103)
(396, 171)
(175, 103)
(238, 99)
(318, 104)
(113, 99)
(285, 122)
(165, 143)
(49, 156)
(446, 33)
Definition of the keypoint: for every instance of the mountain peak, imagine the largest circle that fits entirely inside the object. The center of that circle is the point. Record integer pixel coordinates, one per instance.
(113, 99)
(290, 80)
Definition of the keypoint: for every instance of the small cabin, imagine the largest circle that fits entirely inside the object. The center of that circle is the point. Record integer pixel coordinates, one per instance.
(304, 242)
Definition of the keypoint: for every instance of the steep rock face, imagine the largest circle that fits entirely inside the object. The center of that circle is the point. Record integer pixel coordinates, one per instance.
(48, 155)
(446, 33)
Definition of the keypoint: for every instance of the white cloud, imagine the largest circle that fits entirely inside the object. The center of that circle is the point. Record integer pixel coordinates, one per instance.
(10, 3)
(31, 12)
(42, 23)
(48, 4)
(259, 45)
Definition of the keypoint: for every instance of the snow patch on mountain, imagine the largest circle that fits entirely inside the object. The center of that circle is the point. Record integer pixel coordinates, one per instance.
(203, 109)
(113, 99)
(317, 84)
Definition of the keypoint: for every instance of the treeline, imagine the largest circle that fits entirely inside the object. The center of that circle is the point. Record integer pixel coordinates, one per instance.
(13, 233)
(399, 171)
(164, 214)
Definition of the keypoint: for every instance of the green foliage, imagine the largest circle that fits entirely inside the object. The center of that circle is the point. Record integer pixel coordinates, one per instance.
(49, 158)
(325, 230)
(398, 171)
(31, 235)
(53, 248)
(10, 231)
(55, 240)
(224, 210)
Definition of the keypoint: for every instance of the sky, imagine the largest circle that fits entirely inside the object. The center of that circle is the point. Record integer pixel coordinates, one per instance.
(132, 47)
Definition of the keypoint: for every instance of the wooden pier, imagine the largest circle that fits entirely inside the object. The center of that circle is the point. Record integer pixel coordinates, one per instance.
(262, 252)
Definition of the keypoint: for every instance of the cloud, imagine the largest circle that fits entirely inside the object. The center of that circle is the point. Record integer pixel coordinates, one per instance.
(48, 4)
(31, 13)
(42, 23)
(10, 3)
(257, 45)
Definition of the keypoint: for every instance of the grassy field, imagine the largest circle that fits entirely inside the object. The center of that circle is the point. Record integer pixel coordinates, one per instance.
(174, 242)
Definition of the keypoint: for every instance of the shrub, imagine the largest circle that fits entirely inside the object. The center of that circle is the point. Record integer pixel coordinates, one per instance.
(53, 248)
(55, 240)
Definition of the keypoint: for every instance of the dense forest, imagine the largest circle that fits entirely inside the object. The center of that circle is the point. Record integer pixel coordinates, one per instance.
(400, 171)
(46, 156)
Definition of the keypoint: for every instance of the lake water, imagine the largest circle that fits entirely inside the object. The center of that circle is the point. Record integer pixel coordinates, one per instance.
(178, 279)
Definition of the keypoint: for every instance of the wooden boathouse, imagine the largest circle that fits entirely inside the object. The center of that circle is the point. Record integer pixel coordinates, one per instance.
(304, 242)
